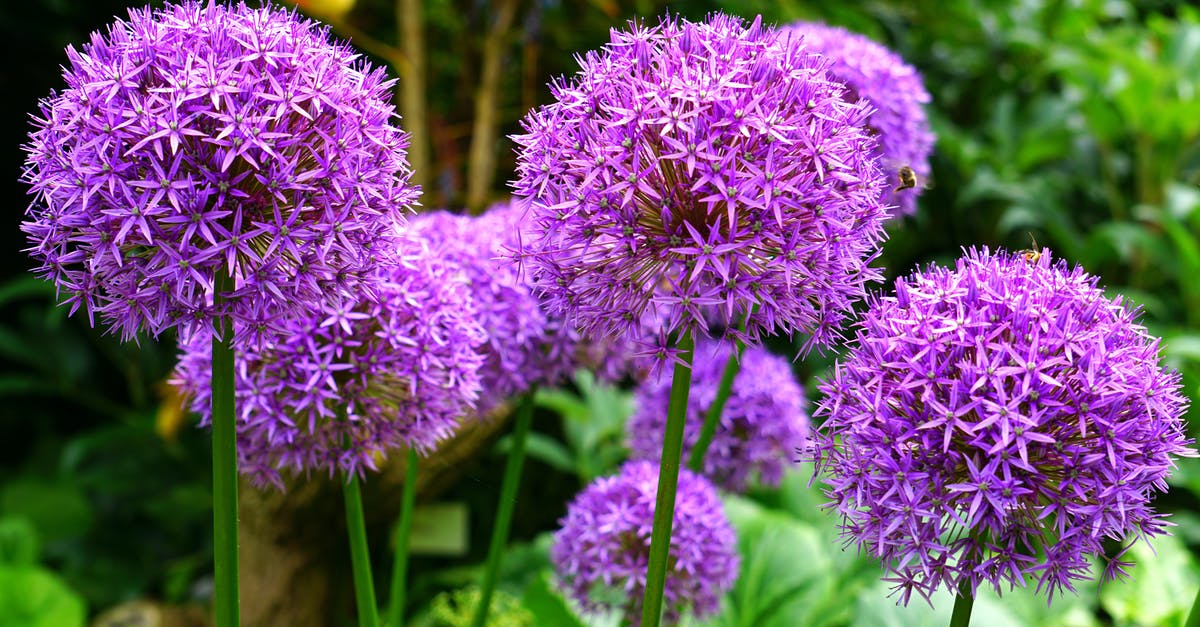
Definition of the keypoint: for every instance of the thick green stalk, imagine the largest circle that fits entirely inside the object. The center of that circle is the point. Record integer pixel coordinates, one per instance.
(713, 418)
(668, 478)
(360, 556)
(508, 500)
(1193, 619)
(961, 617)
(400, 562)
(224, 458)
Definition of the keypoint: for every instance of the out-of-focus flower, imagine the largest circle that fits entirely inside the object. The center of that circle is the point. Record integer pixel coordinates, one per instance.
(896, 91)
(525, 346)
(999, 422)
(343, 384)
(202, 140)
(603, 548)
(700, 171)
(762, 425)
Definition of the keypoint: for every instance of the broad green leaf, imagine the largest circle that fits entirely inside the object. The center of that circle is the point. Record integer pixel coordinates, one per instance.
(545, 449)
(1161, 586)
(547, 605)
(35, 597)
(785, 569)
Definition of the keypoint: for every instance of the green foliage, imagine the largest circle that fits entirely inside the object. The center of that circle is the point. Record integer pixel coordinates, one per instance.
(593, 427)
(456, 609)
(1161, 589)
(36, 597)
(32, 596)
(1076, 123)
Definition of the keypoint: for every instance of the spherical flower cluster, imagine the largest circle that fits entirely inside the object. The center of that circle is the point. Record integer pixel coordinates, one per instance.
(693, 171)
(896, 91)
(342, 384)
(603, 548)
(525, 346)
(202, 140)
(762, 425)
(999, 422)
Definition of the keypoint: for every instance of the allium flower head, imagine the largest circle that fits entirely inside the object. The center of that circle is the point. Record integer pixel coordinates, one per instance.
(763, 423)
(202, 139)
(603, 548)
(525, 346)
(700, 170)
(896, 91)
(998, 423)
(342, 385)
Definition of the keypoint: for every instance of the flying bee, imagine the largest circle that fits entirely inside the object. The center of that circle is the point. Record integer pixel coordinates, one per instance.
(908, 178)
(1032, 255)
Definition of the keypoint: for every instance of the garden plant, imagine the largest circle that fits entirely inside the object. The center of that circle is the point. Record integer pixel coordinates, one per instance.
(616, 312)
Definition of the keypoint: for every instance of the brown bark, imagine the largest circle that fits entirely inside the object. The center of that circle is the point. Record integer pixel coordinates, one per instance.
(410, 92)
(481, 164)
(293, 544)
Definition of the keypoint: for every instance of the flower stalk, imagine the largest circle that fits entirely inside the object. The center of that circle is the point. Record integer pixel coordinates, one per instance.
(713, 418)
(403, 530)
(668, 477)
(224, 458)
(961, 616)
(360, 556)
(508, 500)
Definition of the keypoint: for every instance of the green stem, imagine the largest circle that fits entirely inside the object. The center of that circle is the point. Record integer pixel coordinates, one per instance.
(1193, 619)
(668, 477)
(508, 500)
(224, 458)
(360, 556)
(400, 564)
(713, 418)
(961, 617)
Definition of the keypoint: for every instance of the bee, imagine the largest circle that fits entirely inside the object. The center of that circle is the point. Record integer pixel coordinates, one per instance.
(908, 178)
(1032, 255)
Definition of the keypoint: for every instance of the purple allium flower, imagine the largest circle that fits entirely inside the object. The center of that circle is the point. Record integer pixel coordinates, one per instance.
(341, 385)
(700, 170)
(894, 88)
(603, 548)
(199, 140)
(763, 422)
(998, 422)
(525, 346)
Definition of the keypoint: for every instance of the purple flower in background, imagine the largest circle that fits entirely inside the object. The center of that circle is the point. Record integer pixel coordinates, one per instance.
(763, 423)
(341, 385)
(199, 140)
(602, 550)
(998, 422)
(693, 172)
(894, 89)
(525, 346)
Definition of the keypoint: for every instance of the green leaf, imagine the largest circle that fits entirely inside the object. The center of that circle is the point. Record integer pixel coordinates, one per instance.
(25, 287)
(58, 511)
(1160, 589)
(439, 529)
(18, 542)
(35, 597)
(546, 450)
(784, 572)
(547, 605)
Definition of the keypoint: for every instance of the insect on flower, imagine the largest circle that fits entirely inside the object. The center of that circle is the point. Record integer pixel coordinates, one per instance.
(1032, 255)
(908, 178)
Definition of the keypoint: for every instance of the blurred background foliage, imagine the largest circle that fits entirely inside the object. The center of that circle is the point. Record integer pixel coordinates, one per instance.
(1071, 122)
